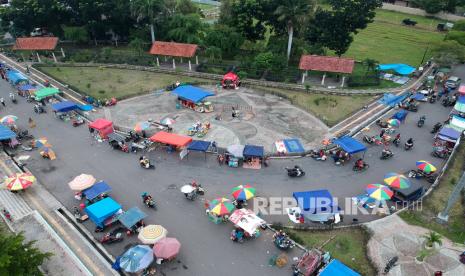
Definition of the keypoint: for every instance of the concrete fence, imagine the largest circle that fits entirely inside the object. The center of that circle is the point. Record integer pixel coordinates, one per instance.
(415, 11)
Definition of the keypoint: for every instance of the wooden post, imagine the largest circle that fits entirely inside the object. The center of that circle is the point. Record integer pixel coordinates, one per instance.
(158, 62)
(323, 79)
(62, 52)
(196, 60)
(190, 66)
(54, 57)
(181, 59)
(343, 80)
(174, 64)
(303, 78)
(38, 57)
(166, 59)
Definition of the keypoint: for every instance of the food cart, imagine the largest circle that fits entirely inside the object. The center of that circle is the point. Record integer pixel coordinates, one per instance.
(193, 98)
(102, 126)
(97, 192)
(104, 212)
(132, 219)
(230, 80)
(248, 221)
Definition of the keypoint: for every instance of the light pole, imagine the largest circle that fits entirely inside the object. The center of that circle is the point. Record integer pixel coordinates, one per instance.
(454, 196)
(424, 55)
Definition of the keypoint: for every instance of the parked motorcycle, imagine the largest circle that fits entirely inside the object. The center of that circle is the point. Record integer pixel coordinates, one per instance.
(369, 139)
(386, 154)
(295, 172)
(145, 163)
(191, 191)
(148, 200)
(436, 128)
(449, 101)
(421, 121)
(356, 168)
(382, 124)
(283, 242)
(430, 177)
(38, 108)
(113, 236)
(442, 153)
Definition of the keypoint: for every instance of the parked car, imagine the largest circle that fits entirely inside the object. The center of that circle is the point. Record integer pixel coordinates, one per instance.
(409, 22)
(40, 32)
(453, 82)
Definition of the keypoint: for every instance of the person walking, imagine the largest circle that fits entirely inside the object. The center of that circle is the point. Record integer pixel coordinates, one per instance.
(2, 100)
(31, 122)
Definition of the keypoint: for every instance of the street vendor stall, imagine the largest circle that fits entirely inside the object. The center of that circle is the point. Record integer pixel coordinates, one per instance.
(193, 98)
(45, 93)
(15, 77)
(457, 123)
(230, 80)
(98, 191)
(448, 134)
(61, 109)
(400, 115)
(460, 105)
(26, 89)
(253, 156)
(317, 206)
(132, 219)
(171, 139)
(199, 145)
(234, 156)
(248, 221)
(6, 133)
(102, 126)
(103, 212)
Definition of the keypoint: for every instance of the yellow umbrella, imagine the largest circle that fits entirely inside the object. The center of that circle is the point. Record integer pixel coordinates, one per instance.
(20, 181)
(151, 234)
(82, 182)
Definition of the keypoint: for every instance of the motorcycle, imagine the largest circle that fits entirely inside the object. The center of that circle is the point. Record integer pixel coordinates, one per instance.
(148, 201)
(39, 109)
(192, 192)
(295, 172)
(78, 216)
(386, 154)
(421, 121)
(356, 168)
(146, 164)
(382, 124)
(390, 264)
(443, 153)
(436, 128)
(77, 121)
(396, 141)
(369, 139)
(430, 177)
(449, 101)
(408, 145)
(433, 98)
(13, 99)
(113, 236)
(283, 242)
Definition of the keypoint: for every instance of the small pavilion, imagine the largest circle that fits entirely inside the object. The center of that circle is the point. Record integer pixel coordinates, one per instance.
(174, 50)
(37, 44)
(326, 64)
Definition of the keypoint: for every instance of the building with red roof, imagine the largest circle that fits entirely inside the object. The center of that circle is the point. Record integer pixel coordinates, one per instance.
(37, 44)
(174, 49)
(326, 64)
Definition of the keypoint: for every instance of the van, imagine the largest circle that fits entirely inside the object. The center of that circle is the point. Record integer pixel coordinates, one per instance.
(453, 82)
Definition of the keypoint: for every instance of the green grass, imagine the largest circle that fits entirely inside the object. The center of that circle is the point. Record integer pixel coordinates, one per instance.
(119, 83)
(435, 202)
(331, 109)
(348, 245)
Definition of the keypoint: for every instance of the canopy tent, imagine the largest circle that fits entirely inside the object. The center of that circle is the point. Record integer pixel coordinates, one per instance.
(199, 145)
(171, 139)
(336, 268)
(45, 92)
(102, 210)
(399, 68)
(131, 217)
(253, 151)
(460, 104)
(349, 144)
(103, 126)
(26, 87)
(457, 123)
(96, 190)
(448, 134)
(6, 133)
(64, 106)
(236, 150)
(15, 77)
(418, 97)
(247, 220)
(392, 100)
(316, 205)
(400, 115)
(191, 93)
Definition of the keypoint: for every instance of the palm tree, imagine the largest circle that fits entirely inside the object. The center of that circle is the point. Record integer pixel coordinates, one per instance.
(371, 65)
(147, 9)
(433, 238)
(293, 12)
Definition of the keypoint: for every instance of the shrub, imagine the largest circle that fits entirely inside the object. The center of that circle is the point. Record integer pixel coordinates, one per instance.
(101, 91)
(88, 85)
(242, 74)
(357, 81)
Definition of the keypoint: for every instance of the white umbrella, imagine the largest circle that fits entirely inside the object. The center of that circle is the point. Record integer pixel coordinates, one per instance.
(82, 182)
(187, 189)
(236, 150)
(151, 234)
(168, 121)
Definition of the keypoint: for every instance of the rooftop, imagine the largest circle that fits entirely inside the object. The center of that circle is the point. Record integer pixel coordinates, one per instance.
(35, 43)
(326, 64)
(173, 49)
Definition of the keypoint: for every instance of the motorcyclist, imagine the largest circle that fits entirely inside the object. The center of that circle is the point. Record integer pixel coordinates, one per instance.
(386, 152)
(360, 163)
(409, 143)
(146, 198)
(396, 139)
(12, 96)
(144, 162)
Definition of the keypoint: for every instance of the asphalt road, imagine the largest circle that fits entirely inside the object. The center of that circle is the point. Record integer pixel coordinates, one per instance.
(206, 248)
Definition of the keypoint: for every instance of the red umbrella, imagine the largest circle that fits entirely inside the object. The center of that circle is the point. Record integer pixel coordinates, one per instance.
(167, 248)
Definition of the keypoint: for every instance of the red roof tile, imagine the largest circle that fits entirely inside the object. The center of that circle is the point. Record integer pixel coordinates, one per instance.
(326, 64)
(35, 43)
(173, 49)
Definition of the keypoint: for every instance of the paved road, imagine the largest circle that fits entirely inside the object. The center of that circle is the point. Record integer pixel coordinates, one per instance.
(206, 248)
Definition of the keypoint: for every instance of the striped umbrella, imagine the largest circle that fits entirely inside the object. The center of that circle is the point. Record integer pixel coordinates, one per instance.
(20, 181)
(395, 180)
(379, 191)
(151, 234)
(9, 120)
(394, 122)
(140, 126)
(426, 166)
(243, 192)
(221, 206)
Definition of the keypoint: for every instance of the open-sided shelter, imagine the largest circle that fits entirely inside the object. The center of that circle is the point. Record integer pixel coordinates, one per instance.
(350, 145)
(103, 126)
(102, 210)
(171, 139)
(326, 64)
(199, 145)
(37, 44)
(45, 92)
(174, 49)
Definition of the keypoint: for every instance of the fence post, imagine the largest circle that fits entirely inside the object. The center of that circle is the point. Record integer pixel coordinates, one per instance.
(62, 52)
(158, 62)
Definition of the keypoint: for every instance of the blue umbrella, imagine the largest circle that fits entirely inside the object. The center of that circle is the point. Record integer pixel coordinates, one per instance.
(136, 258)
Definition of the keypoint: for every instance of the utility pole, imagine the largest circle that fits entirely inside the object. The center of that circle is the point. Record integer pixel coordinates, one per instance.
(454, 196)
(424, 56)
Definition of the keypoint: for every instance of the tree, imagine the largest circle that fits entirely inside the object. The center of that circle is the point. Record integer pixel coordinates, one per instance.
(459, 25)
(371, 65)
(431, 6)
(225, 38)
(432, 238)
(150, 10)
(185, 28)
(264, 61)
(76, 34)
(214, 53)
(137, 45)
(448, 53)
(18, 257)
(458, 36)
(247, 16)
(292, 13)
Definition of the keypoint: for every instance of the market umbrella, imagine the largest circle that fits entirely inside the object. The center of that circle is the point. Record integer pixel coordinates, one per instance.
(221, 206)
(136, 259)
(140, 126)
(426, 166)
(236, 150)
(393, 122)
(20, 181)
(82, 182)
(150, 234)
(48, 150)
(41, 142)
(9, 120)
(168, 121)
(166, 248)
(243, 192)
(395, 180)
(379, 191)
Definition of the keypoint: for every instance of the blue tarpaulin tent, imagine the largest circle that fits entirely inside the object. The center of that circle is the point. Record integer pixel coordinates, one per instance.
(253, 151)
(349, 144)
(64, 106)
(391, 99)
(15, 77)
(418, 97)
(400, 115)
(316, 205)
(96, 190)
(6, 133)
(448, 134)
(400, 68)
(336, 268)
(293, 145)
(191, 93)
(199, 145)
(85, 107)
(102, 210)
(26, 87)
(131, 217)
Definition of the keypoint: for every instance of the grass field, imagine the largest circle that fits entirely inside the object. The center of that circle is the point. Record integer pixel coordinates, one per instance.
(330, 109)
(348, 246)
(108, 82)
(435, 202)
(388, 41)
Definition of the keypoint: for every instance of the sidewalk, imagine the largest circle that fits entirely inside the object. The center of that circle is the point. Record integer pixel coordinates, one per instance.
(35, 212)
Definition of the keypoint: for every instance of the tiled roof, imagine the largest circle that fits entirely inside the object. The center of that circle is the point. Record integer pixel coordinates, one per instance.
(35, 43)
(326, 64)
(173, 49)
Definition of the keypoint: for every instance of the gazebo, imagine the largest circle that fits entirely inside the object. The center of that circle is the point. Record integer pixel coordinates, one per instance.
(37, 44)
(326, 64)
(174, 49)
